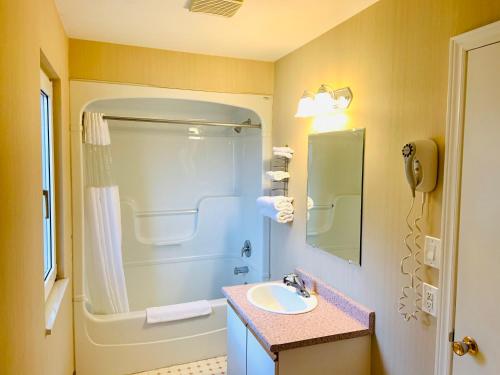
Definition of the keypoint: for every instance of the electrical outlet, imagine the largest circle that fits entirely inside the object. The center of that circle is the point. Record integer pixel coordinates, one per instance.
(432, 252)
(430, 299)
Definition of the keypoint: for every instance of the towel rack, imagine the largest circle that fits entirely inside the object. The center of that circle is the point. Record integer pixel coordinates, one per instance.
(280, 163)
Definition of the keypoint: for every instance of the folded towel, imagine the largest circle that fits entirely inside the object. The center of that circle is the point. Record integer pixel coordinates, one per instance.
(279, 208)
(282, 218)
(278, 216)
(287, 150)
(278, 202)
(287, 155)
(178, 312)
(278, 175)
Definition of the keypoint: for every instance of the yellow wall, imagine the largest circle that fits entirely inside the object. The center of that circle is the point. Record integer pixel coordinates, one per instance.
(30, 28)
(394, 56)
(96, 61)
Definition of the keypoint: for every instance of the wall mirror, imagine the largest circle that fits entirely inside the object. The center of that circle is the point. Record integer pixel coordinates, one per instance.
(335, 192)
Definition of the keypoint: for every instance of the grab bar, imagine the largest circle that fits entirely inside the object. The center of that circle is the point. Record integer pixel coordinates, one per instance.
(166, 212)
(323, 207)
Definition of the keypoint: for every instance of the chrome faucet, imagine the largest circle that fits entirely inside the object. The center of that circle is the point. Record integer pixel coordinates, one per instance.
(238, 270)
(295, 281)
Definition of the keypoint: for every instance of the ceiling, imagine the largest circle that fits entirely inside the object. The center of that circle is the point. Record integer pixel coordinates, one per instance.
(260, 30)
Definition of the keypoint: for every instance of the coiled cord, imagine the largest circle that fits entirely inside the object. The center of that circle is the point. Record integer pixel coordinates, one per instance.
(414, 278)
(416, 257)
(403, 299)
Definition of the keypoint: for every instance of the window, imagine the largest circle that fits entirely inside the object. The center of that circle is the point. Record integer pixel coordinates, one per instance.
(49, 253)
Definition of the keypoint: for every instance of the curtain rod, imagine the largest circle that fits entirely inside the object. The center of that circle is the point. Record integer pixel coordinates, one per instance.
(245, 124)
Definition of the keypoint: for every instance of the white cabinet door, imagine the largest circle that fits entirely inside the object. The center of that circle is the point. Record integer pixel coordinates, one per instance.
(236, 344)
(258, 361)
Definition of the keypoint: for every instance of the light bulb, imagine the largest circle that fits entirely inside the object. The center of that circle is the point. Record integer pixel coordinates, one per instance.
(342, 102)
(324, 100)
(306, 106)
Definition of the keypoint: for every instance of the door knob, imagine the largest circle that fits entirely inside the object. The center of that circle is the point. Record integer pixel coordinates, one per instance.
(467, 345)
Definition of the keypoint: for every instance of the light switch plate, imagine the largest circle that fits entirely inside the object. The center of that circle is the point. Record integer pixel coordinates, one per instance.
(432, 252)
(430, 299)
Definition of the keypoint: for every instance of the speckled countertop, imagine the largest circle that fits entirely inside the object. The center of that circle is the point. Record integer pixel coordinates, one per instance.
(336, 317)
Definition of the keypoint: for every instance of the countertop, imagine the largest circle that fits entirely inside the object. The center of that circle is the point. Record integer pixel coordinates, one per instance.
(337, 317)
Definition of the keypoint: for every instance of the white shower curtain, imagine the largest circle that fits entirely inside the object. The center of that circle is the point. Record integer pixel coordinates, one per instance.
(105, 279)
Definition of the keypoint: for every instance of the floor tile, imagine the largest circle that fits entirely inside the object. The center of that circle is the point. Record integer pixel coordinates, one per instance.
(212, 366)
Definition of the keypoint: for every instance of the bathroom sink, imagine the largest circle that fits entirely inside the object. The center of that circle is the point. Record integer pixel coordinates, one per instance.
(279, 298)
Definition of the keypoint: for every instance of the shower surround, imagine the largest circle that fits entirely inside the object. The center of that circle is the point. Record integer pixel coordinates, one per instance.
(187, 199)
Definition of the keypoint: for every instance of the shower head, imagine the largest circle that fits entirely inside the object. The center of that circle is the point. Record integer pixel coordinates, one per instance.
(237, 129)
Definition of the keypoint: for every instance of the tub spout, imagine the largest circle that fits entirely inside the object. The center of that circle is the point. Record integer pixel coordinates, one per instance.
(238, 270)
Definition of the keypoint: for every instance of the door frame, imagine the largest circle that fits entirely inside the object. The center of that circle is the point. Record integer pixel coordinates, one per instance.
(459, 47)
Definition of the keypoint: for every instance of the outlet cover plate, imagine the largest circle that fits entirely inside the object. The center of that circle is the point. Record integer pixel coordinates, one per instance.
(430, 299)
(432, 252)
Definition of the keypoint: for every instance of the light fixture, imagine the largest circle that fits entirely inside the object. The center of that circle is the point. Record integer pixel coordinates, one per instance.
(306, 106)
(325, 101)
(342, 98)
(328, 100)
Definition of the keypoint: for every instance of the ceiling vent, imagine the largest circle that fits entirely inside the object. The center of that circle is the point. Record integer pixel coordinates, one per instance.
(225, 8)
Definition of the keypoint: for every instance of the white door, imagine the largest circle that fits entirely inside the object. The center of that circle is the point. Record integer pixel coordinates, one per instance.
(478, 269)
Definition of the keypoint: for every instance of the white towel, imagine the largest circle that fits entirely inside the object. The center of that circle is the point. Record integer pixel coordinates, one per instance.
(287, 150)
(283, 154)
(279, 208)
(279, 203)
(177, 312)
(277, 175)
(278, 216)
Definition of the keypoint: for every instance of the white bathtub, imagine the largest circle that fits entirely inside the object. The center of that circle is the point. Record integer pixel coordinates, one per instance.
(123, 343)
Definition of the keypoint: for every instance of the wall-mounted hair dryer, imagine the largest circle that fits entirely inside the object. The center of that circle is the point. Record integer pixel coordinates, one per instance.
(421, 162)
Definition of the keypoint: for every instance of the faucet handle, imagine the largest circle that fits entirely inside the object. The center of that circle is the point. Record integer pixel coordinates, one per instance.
(246, 250)
(292, 278)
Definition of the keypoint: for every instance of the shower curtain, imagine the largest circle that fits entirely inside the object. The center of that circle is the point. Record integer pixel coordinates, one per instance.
(105, 279)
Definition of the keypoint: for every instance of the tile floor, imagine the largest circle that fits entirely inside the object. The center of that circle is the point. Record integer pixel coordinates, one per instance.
(212, 366)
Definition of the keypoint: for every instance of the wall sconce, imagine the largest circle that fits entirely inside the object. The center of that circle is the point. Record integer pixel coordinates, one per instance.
(325, 101)
(306, 106)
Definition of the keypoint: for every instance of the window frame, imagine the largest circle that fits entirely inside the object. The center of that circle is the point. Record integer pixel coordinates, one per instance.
(46, 89)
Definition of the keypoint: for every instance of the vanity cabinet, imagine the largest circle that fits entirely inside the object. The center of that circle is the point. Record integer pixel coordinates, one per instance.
(246, 355)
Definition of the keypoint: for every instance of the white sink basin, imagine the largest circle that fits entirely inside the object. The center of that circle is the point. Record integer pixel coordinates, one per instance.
(279, 298)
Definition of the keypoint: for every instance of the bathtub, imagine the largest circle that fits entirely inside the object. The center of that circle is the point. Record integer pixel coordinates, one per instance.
(124, 344)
